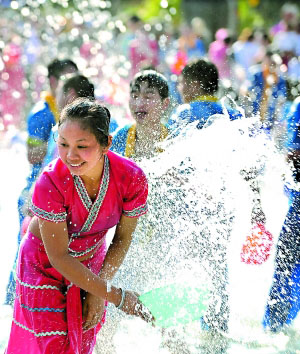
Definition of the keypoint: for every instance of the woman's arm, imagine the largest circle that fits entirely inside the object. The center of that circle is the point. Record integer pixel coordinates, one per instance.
(118, 248)
(93, 306)
(55, 239)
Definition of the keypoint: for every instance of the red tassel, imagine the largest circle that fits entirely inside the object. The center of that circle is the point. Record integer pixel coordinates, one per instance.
(257, 247)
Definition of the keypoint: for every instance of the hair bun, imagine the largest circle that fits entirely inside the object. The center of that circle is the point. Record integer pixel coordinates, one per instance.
(107, 112)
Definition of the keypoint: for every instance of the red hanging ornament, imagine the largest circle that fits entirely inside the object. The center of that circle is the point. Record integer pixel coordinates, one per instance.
(257, 247)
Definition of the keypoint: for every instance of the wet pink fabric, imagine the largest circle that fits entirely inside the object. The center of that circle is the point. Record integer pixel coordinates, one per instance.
(48, 309)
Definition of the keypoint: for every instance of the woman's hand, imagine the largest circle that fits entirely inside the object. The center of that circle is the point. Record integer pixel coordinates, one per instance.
(132, 306)
(92, 311)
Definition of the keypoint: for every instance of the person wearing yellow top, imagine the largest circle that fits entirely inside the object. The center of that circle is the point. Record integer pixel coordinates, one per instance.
(149, 99)
(44, 114)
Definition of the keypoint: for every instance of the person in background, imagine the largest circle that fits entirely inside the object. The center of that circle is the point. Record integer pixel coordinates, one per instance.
(201, 30)
(190, 43)
(246, 52)
(289, 17)
(12, 92)
(198, 85)
(133, 24)
(283, 302)
(218, 53)
(40, 121)
(284, 130)
(68, 90)
(267, 89)
(287, 44)
(149, 99)
(64, 271)
(143, 49)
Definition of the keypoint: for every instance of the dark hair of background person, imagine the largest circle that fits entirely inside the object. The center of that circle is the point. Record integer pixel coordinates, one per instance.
(228, 40)
(135, 19)
(251, 37)
(203, 72)
(57, 67)
(154, 80)
(81, 85)
(91, 116)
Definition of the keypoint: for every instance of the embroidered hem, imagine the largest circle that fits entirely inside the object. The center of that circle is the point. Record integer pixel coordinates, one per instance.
(136, 212)
(40, 334)
(49, 216)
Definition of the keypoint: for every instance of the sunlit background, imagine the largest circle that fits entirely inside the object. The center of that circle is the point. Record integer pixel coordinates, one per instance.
(95, 35)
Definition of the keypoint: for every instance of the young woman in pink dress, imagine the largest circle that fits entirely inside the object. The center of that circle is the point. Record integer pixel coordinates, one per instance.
(64, 270)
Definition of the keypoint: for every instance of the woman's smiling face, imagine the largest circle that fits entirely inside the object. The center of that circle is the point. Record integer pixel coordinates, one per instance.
(79, 149)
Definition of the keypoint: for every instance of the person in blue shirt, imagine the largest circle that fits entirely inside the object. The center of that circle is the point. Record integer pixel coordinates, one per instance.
(68, 90)
(198, 85)
(149, 99)
(267, 89)
(44, 114)
(40, 121)
(293, 124)
(283, 303)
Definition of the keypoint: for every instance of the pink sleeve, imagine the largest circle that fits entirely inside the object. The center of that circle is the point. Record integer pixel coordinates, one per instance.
(47, 201)
(135, 200)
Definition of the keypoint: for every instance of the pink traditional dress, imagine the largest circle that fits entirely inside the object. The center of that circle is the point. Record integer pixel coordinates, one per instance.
(48, 308)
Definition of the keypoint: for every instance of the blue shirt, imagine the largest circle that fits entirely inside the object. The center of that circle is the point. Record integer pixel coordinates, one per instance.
(199, 111)
(120, 140)
(257, 89)
(293, 123)
(40, 122)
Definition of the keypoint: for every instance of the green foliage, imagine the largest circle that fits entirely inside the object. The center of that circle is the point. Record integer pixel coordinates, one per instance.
(249, 16)
(152, 10)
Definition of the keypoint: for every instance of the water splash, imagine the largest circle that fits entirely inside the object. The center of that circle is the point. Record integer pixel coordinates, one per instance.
(200, 212)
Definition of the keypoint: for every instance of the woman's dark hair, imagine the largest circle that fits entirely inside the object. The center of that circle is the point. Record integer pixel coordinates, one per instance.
(203, 72)
(91, 116)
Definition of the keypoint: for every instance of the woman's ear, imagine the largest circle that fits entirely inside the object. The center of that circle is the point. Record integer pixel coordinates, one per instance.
(106, 148)
(166, 103)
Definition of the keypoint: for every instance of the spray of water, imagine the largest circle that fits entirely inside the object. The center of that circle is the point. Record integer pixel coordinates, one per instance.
(200, 212)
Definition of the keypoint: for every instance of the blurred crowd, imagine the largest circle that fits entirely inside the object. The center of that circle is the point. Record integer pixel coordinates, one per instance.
(111, 51)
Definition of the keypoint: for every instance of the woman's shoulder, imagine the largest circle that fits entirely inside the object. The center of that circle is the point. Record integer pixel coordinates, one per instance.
(123, 165)
(129, 179)
(56, 166)
(57, 172)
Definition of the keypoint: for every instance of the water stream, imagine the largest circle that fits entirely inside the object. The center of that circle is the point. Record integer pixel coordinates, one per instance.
(200, 215)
